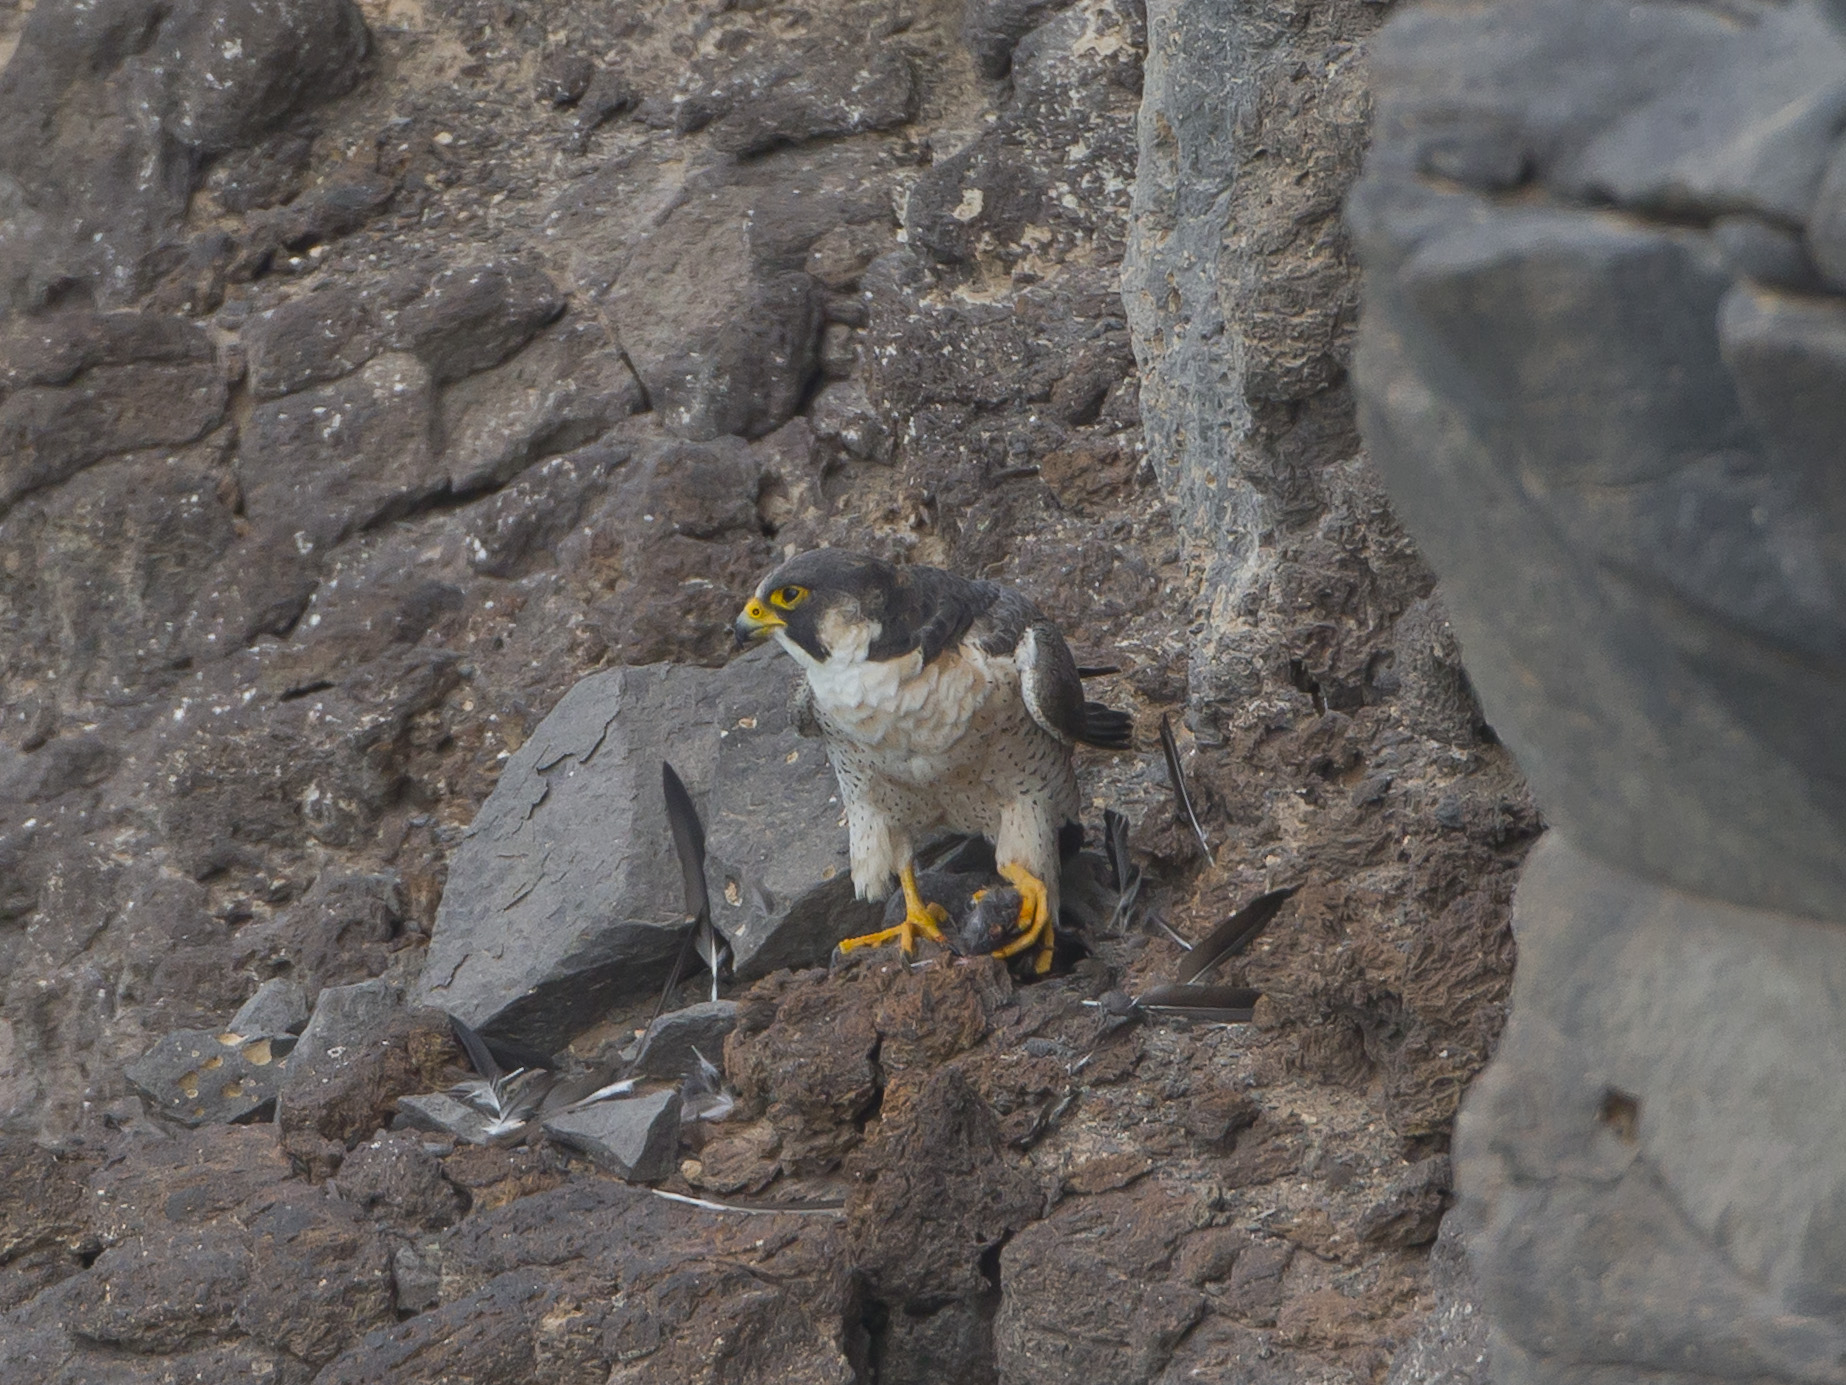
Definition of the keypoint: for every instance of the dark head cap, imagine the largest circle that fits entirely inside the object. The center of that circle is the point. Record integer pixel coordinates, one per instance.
(809, 586)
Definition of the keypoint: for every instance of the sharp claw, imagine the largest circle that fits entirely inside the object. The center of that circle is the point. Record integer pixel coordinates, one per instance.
(1034, 918)
(905, 933)
(929, 923)
(878, 939)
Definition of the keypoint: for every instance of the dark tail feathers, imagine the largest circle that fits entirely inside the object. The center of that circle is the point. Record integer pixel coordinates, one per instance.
(1107, 728)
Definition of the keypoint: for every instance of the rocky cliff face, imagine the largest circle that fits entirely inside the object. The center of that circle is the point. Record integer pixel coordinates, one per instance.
(1603, 361)
(373, 373)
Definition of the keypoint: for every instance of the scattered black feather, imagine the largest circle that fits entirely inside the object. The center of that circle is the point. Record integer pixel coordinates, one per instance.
(1226, 1004)
(1126, 873)
(1170, 748)
(713, 951)
(587, 1089)
(480, 1057)
(703, 1095)
(509, 1098)
(1097, 670)
(1115, 845)
(1233, 935)
(1124, 907)
(1159, 921)
(688, 841)
(1106, 728)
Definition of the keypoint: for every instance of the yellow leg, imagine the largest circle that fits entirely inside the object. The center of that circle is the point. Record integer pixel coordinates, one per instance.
(919, 917)
(1034, 917)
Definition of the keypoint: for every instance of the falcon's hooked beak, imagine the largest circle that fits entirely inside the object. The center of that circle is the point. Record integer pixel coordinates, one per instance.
(755, 623)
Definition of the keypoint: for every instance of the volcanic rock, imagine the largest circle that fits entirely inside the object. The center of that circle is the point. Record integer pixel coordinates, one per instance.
(197, 1077)
(278, 1007)
(633, 1137)
(667, 1049)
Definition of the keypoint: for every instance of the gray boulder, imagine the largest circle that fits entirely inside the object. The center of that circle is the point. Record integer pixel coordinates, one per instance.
(1620, 453)
(666, 1050)
(278, 1007)
(416, 1279)
(347, 1015)
(1650, 1156)
(566, 899)
(634, 1138)
(780, 881)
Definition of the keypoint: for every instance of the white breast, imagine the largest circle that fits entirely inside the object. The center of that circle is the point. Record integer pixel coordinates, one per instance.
(905, 710)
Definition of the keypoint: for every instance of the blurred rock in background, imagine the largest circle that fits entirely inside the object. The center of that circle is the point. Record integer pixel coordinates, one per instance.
(373, 374)
(1602, 368)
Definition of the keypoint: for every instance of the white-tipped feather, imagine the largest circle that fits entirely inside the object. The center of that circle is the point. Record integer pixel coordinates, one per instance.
(625, 1087)
(510, 1100)
(703, 1095)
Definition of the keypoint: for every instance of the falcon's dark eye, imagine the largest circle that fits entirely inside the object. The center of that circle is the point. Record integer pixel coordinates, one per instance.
(787, 597)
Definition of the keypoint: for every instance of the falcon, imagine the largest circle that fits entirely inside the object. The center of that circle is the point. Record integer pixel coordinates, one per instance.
(946, 704)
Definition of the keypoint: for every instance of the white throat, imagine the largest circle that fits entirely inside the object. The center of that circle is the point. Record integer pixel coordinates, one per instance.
(848, 680)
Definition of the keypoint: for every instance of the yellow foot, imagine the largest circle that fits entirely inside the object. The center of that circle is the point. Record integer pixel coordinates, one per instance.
(1034, 917)
(919, 917)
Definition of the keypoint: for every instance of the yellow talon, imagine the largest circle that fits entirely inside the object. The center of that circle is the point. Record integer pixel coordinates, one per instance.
(878, 939)
(1034, 917)
(919, 917)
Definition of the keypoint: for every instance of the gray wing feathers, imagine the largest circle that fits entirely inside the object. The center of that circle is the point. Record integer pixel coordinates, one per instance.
(1048, 676)
(1048, 679)
(931, 610)
(1005, 620)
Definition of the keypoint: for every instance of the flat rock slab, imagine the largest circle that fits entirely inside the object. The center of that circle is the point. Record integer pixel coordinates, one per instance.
(200, 1077)
(278, 1007)
(1658, 1116)
(635, 1139)
(667, 1049)
(566, 899)
(443, 1114)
